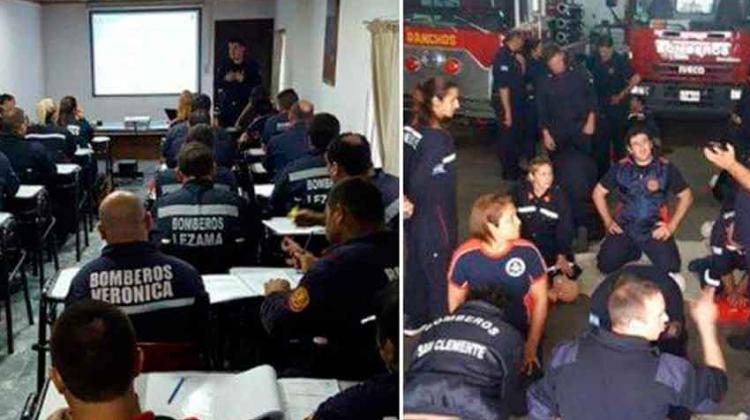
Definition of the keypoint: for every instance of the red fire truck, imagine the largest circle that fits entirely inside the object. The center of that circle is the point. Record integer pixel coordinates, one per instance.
(692, 54)
(457, 39)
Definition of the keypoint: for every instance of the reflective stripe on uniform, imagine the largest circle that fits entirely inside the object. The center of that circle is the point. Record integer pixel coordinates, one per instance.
(308, 173)
(156, 306)
(717, 250)
(710, 280)
(170, 188)
(448, 159)
(199, 210)
(45, 136)
(526, 209)
(392, 210)
(728, 215)
(549, 213)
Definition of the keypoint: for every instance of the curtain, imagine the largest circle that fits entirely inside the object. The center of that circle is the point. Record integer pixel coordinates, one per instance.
(278, 63)
(385, 87)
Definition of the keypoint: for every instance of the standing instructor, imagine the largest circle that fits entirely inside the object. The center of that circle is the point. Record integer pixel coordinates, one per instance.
(234, 81)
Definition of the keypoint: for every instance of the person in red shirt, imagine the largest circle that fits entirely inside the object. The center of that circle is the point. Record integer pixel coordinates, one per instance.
(495, 254)
(94, 363)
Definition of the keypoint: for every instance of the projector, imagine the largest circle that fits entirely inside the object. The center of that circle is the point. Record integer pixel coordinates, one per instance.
(137, 123)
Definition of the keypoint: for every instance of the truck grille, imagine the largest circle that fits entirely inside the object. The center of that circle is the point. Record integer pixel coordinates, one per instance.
(720, 73)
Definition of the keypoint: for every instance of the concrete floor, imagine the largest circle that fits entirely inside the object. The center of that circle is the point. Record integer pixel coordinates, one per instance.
(479, 172)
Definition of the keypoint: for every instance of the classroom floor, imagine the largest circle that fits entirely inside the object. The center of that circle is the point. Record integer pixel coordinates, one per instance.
(479, 172)
(18, 371)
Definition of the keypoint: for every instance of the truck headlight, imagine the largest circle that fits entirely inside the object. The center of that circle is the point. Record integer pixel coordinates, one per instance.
(735, 94)
(639, 90)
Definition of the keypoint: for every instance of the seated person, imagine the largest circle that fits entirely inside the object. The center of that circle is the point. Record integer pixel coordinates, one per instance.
(337, 290)
(258, 109)
(58, 141)
(9, 182)
(89, 339)
(620, 375)
(674, 337)
(163, 295)
(305, 183)
(377, 397)
(211, 228)
(276, 124)
(478, 376)
(167, 180)
(349, 155)
(225, 149)
(643, 183)
(290, 145)
(547, 221)
(184, 107)
(29, 159)
(494, 255)
(7, 102)
(70, 117)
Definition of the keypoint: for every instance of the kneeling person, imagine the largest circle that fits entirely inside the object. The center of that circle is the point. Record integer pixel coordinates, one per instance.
(467, 364)
(547, 221)
(208, 227)
(164, 296)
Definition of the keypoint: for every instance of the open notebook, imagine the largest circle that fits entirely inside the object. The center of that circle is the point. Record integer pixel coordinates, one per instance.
(250, 395)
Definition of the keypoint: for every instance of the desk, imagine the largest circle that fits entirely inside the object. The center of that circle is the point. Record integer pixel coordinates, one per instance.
(241, 283)
(134, 143)
(206, 394)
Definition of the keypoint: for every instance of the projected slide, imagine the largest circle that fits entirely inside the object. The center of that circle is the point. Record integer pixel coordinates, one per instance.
(145, 52)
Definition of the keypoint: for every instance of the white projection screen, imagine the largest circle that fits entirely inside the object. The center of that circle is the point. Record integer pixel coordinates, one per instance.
(145, 52)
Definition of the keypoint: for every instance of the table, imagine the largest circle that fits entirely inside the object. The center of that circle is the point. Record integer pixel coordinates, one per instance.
(134, 142)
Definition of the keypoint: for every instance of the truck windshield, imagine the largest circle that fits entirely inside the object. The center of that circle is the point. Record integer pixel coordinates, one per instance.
(694, 14)
(491, 15)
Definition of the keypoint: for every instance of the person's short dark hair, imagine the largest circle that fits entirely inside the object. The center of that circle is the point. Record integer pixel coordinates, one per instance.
(605, 41)
(637, 129)
(629, 294)
(360, 198)
(551, 51)
(6, 97)
(13, 120)
(238, 41)
(93, 347)
(201, 133)
(350, 151)
(195, 160)
(199, 116)
(323, 129)
(514, 34)
(286, 99)
(492, 294)
(201, 101)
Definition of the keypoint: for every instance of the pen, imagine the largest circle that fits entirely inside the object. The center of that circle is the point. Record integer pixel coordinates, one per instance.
(176, 389)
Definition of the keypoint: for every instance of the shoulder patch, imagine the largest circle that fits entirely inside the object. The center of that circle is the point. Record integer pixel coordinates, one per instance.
(299, 299)
(412, 137)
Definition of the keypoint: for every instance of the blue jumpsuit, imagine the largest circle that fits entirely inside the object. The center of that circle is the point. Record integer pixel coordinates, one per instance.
(304, 183)
(430, 234)
(286, 147)
(507, 73)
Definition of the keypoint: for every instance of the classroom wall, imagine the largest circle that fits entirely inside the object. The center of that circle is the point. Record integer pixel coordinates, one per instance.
(65, 29)
(22, 63)
(304, 23)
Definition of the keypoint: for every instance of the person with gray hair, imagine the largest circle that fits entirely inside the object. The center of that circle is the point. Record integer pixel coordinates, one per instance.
(163, 295)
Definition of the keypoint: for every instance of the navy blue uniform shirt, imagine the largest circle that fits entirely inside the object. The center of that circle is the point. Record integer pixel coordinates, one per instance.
(466, 364)
(29, 159)
(515, 269)
(225, 148)
(610, 77)
(274, 125)
(211, 228)
(603, 375)
(430, 183)
(59, 143)
(390, 189)
(304, 183)
(163, 295)
(564, 102)
(167, 182)
(373, 399)
(546, 220)
(507, 73)
(286, 147)
(9, 182)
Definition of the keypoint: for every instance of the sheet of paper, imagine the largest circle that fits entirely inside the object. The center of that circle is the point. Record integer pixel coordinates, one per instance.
(67, 168)
(255, 277)
(225, 288)
(301, 396)
(283, 226)
(258, 168)
(28, 191)
(264, 190)
(62, 285)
